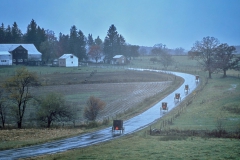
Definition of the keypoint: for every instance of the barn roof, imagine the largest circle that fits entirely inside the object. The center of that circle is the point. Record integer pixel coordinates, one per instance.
(29, 47)
(4, 53)
(65, 56)
(117, 56)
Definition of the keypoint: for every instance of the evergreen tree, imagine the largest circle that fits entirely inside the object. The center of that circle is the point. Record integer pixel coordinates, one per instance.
(35, 34)
(8, 35)
(82, 45)
(73, 39)
(98, 41)
(111, 43)
(16, 34)
(90, 41)
(31, 35)
(77, 43)
(2, 34)
(41, 37)
(63, 44)
(121, 45)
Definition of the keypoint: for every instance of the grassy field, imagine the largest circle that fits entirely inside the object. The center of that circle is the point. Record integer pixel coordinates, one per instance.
(214, 105)
(104, 83)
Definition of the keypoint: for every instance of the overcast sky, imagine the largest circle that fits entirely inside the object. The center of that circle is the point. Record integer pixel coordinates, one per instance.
(175, 23)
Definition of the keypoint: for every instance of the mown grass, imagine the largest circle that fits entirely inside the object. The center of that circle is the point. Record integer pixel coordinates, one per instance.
(219, 99)
(140, 146)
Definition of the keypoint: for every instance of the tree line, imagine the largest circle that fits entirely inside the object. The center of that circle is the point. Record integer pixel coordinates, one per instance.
(75, 42)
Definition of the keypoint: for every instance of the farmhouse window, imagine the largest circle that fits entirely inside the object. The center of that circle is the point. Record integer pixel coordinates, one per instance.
(14, 60)
(20, 60)
(71, 56)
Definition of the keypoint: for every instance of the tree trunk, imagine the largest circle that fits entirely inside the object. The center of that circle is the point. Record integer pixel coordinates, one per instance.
(3, 121)
(224, 73)
(209, 74)
(49, 123)
(19, 124)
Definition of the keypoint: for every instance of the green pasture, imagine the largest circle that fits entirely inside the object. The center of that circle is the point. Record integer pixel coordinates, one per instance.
(141, 147)
(218, 102)
(215, 103)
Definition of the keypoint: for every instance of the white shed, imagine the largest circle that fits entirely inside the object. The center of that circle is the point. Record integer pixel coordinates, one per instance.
(119, 59)
(5, 58)
(68, 60)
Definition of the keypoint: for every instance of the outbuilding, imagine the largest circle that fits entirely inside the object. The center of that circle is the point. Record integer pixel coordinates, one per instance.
(68, 60)
(119, 59)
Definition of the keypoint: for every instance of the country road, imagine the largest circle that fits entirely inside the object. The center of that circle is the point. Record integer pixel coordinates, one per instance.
(132, 125)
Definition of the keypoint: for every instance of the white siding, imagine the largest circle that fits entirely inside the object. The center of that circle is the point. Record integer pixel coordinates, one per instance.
(68, 60)
(5, 58)
(72, 61)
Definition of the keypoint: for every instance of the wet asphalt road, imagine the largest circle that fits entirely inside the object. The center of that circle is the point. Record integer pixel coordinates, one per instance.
(132, 125)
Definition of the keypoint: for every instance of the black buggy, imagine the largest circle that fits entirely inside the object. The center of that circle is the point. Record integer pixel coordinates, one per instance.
(117, 126)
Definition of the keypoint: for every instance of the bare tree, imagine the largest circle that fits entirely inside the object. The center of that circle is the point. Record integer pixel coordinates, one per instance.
(53, 107)
(206, 58)
(17, 88)
(3, 108)
(166, 59)
(94, 105)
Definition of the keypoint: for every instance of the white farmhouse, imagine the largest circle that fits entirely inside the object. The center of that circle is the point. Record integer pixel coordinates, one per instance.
(68, 60)
(5, 58)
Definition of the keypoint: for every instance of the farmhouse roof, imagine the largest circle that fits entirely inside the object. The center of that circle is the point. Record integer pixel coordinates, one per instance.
(117, 56)
(65, 56)
(10, 47)
(4, 53)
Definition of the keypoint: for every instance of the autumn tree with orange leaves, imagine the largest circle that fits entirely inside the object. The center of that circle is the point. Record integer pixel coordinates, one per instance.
(94, 106)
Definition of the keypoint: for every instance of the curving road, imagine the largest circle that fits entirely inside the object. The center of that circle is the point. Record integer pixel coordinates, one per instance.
(132, 125)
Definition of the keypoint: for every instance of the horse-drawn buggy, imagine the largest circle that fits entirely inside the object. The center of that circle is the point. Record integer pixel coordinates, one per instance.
(118, 126)
(164, 107)
(177, 97)
(186, 89)
(197, 78)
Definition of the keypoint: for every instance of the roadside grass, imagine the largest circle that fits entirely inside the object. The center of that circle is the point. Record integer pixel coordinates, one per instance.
(216, 105)
(211, 106)
(143, 147)
(15, 138)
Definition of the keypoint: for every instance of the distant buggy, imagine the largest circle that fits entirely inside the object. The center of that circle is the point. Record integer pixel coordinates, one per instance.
(177, 97)
(186, 89)
(118, 126)
(164, 107)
